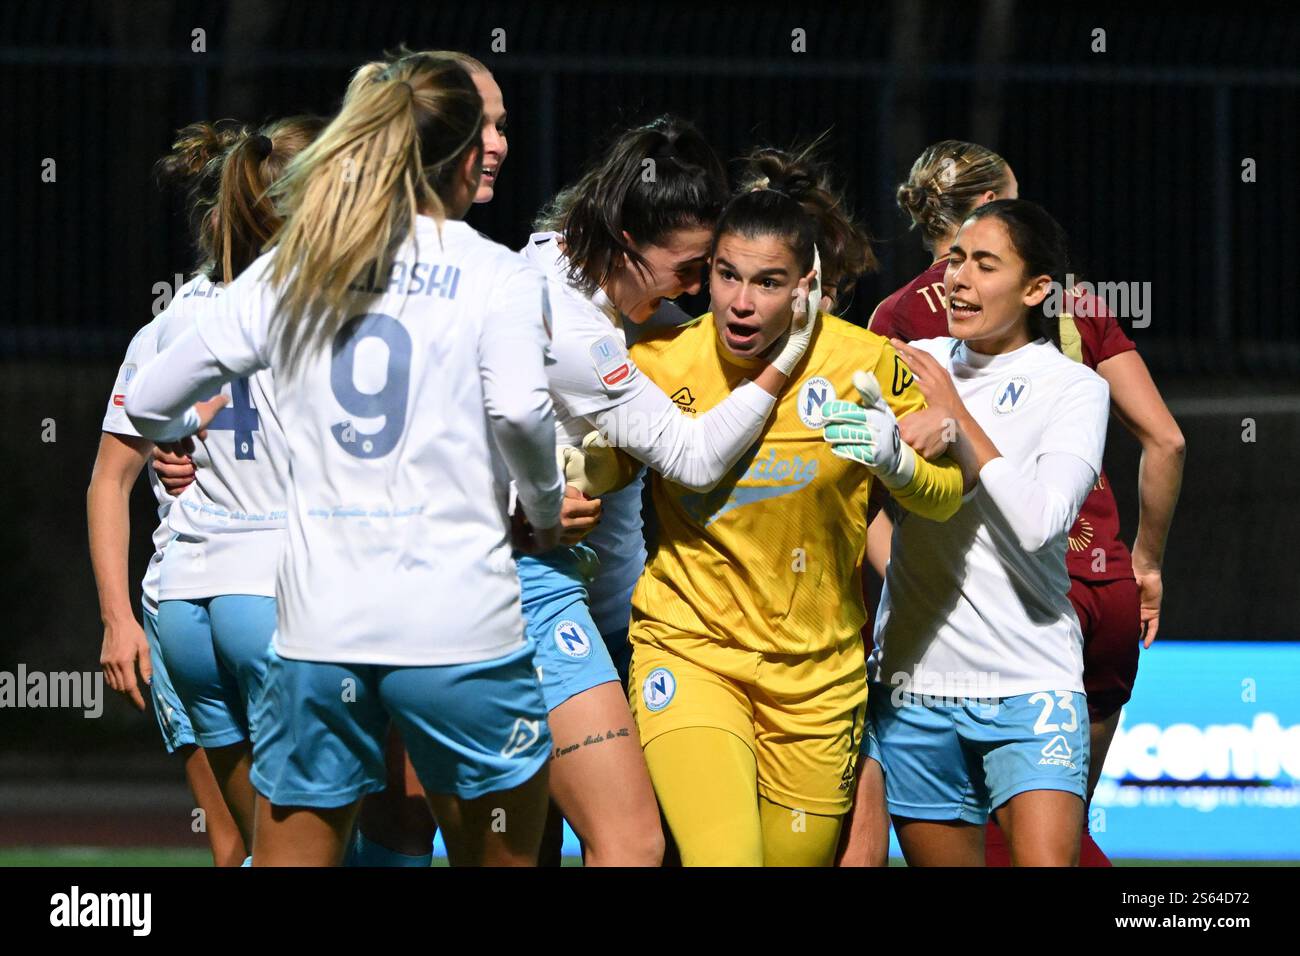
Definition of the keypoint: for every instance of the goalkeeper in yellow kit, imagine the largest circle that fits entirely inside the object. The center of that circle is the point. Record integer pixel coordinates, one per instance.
(748, 674)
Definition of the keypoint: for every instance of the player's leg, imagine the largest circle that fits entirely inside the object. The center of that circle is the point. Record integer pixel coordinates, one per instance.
(210, 696)
(1035, 756)
(502, 828)
(242, 626)
(809, 723)
(598, 776)
(224, 838)
(599, 780)
(697, 725)
(395, 826)
(319, 750)
(551, 852)
(1042, 827)
(934, 786)
(478, 739)
(940, 842)
(1110, 664)
(698, 731)
(794, 837)
(230, 768)
(706, 780)
(1111, 641)
(301, 836)
(864, 840)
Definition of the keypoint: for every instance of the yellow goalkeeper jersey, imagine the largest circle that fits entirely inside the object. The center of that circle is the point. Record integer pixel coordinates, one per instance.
(769, 559)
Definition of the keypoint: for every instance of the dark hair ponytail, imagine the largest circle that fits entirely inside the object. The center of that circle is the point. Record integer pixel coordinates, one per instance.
(790, 195)
(246, 217)
(193, 166)
(1043, 245)
(650, 182)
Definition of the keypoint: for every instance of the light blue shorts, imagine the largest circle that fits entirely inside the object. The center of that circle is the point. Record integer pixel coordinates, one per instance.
(471, 729)
(216, 654)
(961, 760)
(870, 746)
(173, 721)
(571, 656)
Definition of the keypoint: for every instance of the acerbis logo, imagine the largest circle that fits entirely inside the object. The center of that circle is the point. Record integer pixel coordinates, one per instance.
(523, 735)
(572, 640)
(1011, 394)
(1056, 753)
(684, 400)
(658, 689)
(813, 394)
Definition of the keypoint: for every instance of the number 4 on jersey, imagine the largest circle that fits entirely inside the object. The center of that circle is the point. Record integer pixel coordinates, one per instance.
(240, 417)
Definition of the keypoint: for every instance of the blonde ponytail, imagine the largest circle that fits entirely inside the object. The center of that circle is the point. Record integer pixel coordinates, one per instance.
(352, 197)
(946, 182)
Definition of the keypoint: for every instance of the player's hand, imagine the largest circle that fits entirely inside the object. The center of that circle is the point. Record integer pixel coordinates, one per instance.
(124, 646)
(207, 411)
(593, 469)
(529, 540)
(868, 433)
(931, 378)
(579, 515)
(176, 472)
(1151, 590)
(929, 431)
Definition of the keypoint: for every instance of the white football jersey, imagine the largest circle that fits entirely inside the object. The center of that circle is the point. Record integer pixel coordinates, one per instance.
(596, 384)
(403, 434)
(590, 369)
(143, 347)
(966, 610)
(229, 524)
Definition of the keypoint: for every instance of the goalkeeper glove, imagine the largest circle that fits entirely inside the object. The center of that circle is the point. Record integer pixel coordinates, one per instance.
(788, 350)
(593, 469)
(868, 433)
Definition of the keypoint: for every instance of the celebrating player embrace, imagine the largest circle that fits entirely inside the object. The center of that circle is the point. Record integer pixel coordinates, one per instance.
(748, 677)
(408, 354)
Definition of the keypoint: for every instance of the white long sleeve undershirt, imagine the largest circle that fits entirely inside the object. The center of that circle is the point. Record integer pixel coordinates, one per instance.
(1044, 506)
(694, 453)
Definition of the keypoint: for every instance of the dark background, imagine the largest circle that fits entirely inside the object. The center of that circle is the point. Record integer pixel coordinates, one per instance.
(1137, 150)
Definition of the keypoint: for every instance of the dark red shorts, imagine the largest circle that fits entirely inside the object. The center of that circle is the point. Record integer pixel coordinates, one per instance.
(1109, 613)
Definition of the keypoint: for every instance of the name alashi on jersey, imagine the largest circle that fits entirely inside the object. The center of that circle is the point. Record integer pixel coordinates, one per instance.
(419, 278)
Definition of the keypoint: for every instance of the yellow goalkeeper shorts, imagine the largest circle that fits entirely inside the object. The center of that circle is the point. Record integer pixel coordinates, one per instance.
(802, 715)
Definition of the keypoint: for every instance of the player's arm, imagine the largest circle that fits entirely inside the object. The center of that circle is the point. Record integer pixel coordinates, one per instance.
(869, 433)
(511, 350)
(108, 520)
(171, 398)
(1137, 403)
(698, 452)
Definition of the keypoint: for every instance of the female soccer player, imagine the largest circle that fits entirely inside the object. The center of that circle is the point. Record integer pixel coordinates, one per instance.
(216, 612)
(978, 701)
(748, 678)
(394, 826)
(948, 181)
(194, 164)
(408, 355)
(634, 230)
